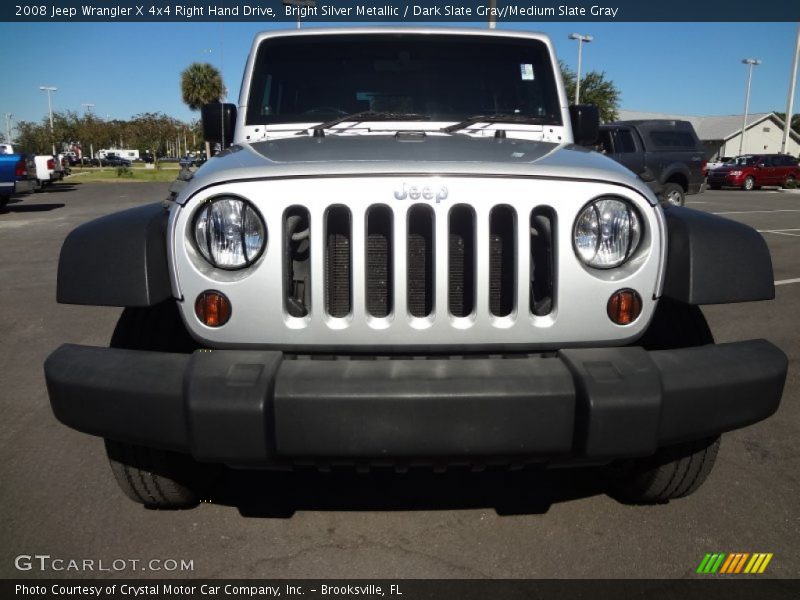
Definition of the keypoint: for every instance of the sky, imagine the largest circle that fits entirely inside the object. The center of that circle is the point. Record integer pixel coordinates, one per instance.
(130, 68)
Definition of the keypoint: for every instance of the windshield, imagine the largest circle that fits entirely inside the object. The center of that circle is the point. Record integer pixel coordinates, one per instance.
(445, 77)
(743, 160)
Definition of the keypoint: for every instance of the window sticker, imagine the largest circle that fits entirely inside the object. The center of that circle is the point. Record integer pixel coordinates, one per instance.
(526, 70)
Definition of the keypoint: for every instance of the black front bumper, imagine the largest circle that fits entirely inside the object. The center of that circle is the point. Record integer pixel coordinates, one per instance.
(261, 408)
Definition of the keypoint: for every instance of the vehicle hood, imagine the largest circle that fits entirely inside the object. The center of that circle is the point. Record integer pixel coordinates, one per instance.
(337, 155)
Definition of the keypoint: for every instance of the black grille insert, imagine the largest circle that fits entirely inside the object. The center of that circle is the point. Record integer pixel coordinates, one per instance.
(338, 261)
(543, 276)
(502, 260)
(296, 258)
(461, 261)
(379, 261)
(420, 260)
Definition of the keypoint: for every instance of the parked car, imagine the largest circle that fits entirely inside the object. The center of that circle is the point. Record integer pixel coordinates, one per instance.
(722, 160)
(666, 154)
(752, 171)
(192, 161)
(111, 161)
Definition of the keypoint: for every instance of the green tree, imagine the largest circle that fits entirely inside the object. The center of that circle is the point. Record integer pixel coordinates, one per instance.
(201, 83)
(595, 89)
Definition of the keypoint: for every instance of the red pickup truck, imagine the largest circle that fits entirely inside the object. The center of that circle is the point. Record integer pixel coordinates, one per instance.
(751, 171)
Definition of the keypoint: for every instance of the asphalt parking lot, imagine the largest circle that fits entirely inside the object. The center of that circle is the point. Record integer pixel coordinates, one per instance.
(58, 496)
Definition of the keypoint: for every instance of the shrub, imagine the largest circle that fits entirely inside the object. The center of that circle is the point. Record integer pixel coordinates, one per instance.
(124, 172)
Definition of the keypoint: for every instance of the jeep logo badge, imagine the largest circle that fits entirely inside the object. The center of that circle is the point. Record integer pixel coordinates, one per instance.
(427, 192)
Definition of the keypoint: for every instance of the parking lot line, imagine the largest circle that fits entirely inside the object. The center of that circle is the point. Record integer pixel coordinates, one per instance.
(787, 281)
(750, 212)
(782, 232)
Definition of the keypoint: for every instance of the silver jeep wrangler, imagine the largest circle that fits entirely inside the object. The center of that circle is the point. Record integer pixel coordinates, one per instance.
(403, 257)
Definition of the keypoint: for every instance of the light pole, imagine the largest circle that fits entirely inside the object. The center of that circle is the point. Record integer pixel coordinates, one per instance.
(581, 39)
(49, 89)
(299, 4)
(790, 100)
(750, 62)
(9, 117)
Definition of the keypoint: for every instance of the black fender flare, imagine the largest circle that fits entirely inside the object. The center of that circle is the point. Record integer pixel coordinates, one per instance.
(117, 260)
(713, 260)
(675, 169)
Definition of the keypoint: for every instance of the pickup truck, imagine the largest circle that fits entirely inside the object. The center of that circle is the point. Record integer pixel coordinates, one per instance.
(409, 260)
(16, 175)
(665, 154)
(46, 169)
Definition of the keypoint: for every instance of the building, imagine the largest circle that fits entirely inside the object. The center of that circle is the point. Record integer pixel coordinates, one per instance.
(721, 134)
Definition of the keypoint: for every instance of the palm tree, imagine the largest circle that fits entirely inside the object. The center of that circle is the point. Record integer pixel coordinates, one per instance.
(201, 83)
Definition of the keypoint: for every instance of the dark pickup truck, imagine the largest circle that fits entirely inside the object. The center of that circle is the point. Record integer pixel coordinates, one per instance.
(665, 154)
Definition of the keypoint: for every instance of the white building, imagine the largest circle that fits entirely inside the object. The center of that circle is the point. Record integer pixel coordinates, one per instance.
(721, 134)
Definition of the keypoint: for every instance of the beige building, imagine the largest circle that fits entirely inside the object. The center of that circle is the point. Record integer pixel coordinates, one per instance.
(721, 135)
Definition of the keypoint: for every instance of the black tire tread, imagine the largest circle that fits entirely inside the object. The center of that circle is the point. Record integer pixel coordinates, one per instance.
(155, 478)
(150, 476)
(673, 472)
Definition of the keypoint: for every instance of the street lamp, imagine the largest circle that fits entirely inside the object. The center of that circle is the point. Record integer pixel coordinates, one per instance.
(49, 89)
(581, 39)
(750, 62)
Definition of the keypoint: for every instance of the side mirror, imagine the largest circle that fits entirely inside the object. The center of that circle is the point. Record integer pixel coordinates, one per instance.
(585, 119)
(761, 165)
(219, 121)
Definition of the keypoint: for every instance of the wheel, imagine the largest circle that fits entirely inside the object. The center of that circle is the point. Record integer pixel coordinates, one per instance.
(789, 182)
(673, 472)
(673, 194)
(150, 476)
(3, 202)
(749, 183)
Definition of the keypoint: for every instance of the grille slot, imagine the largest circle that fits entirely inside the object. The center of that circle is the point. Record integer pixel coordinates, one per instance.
(296, 259)
(461, 261)
(338, 262)
(379, 261)
(502, 260)
(420, 260)
(543, 229)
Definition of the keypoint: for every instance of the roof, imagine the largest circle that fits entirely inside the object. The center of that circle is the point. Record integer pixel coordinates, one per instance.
(722, 127)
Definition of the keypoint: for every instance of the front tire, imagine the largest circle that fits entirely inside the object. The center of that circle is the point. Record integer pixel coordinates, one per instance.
(150, 476)
(673, 472)
(749, 184)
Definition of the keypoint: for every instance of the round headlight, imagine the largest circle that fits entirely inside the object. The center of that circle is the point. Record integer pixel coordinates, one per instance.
(606, 233)
(229, 233)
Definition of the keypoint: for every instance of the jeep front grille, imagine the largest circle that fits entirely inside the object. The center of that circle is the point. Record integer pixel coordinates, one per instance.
(439, 258)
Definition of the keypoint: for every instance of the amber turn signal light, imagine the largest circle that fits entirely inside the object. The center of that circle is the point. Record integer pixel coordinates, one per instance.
(624, 307)
(212, 308)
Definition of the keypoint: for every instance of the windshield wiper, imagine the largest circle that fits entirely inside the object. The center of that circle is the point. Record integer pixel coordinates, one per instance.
(366, 115)
(498, 118)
